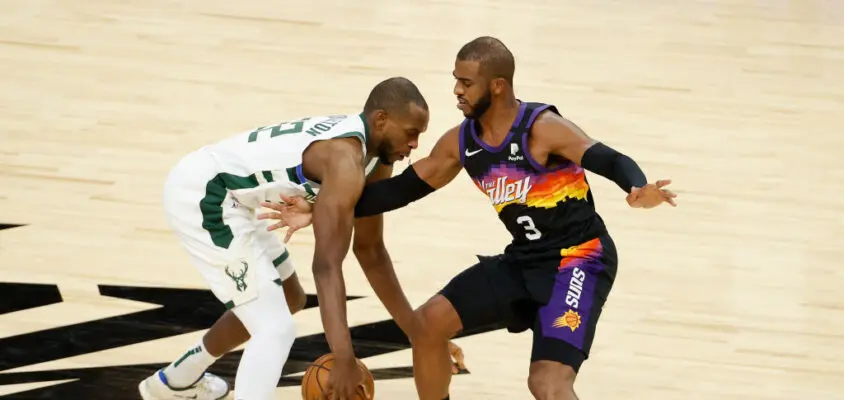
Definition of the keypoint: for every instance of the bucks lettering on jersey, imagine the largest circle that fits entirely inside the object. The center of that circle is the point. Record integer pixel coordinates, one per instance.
(262, 164)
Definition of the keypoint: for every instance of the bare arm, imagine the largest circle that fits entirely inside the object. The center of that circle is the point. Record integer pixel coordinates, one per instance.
(557, 136)
(443, 164)
(417, 181)
(337, 164)
(368, 246)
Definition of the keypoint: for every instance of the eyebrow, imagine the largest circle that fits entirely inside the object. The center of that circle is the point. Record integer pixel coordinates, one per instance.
(459, 78)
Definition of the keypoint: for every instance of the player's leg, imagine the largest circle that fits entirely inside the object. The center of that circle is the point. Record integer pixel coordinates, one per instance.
(431, 359)
(183, 191)
(266, 352)
(226, 334)
(225, 248)
(565, 326)
(229, 332)
(553, 380)
(264, 356)
(475, 298)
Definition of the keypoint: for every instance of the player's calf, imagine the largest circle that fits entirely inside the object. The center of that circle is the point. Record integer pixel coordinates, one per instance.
(225, 335)
(431, 358)
(266, 352)
(550, 380)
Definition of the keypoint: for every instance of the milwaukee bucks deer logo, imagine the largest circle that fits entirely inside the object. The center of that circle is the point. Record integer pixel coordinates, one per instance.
(240, 278)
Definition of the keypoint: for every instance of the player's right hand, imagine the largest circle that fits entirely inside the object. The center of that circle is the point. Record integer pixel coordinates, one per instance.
(295, 213)
(345, 380)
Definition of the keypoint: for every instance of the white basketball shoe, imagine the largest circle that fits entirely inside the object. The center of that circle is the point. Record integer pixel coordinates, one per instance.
(207, 387)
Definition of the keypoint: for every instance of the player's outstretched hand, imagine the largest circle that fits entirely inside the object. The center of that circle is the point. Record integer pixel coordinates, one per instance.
(295, 213)
(651, 195)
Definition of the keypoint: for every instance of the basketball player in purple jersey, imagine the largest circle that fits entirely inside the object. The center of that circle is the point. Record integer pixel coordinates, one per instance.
(557, 272)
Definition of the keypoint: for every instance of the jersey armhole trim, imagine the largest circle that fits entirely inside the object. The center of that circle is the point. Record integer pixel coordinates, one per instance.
(365, 127)
(525, 137)
(374, 167)
(356, 134)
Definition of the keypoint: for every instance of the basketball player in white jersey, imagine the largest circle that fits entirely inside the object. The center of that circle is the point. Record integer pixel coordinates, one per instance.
(211, 198)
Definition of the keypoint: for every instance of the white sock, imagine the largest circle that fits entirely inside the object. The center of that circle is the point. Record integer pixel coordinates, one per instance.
(188, 368)
(272, 331)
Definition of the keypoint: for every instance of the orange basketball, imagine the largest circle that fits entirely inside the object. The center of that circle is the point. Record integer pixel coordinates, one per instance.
(315, 380)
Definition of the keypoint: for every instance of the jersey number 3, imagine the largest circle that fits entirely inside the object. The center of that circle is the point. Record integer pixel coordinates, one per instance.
(531, 233)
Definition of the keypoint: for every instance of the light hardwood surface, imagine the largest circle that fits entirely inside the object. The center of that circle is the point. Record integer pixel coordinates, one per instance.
(738, 293)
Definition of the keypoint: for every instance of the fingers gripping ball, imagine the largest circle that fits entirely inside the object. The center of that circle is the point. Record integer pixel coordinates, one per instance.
(315, 380)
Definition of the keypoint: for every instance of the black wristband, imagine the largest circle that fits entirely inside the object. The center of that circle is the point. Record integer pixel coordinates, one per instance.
(617, 167)
(390, 194)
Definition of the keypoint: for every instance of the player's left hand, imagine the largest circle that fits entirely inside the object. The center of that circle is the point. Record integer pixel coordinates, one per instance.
(295, 213)
(651, 195)
(457, 355)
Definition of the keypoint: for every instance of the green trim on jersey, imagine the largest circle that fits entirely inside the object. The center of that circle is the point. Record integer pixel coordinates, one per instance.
(291, 175)
(310, 191)
(280, 259)
(295, 175)
(211, 206)
(365, 128)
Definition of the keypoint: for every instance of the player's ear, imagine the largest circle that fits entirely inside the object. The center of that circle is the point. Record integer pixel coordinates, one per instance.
(380, 119)
(497, 86)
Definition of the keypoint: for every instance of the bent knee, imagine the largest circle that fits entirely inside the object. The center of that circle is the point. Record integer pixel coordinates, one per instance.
(267, 314)
(281, 327)
(551, 380)
(438, 318)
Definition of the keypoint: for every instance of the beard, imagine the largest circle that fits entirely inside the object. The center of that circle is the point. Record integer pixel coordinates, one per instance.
(384, 151)
(481, 106)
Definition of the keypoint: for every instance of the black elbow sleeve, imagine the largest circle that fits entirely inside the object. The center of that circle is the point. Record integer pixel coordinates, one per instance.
(617, 167)
(390, 194)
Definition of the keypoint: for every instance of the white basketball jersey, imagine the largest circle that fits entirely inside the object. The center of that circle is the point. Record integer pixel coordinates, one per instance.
(261, 164)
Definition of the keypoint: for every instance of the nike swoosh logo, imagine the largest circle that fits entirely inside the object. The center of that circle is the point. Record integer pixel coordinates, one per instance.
(472, 153)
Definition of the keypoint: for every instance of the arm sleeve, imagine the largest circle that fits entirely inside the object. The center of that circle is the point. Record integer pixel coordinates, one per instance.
(390, 194)
(617, 167)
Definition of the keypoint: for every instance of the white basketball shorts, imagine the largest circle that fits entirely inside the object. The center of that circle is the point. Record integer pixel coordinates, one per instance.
(229, 246)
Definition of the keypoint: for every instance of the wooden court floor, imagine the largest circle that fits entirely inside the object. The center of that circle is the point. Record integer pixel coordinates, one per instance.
(735, 294)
